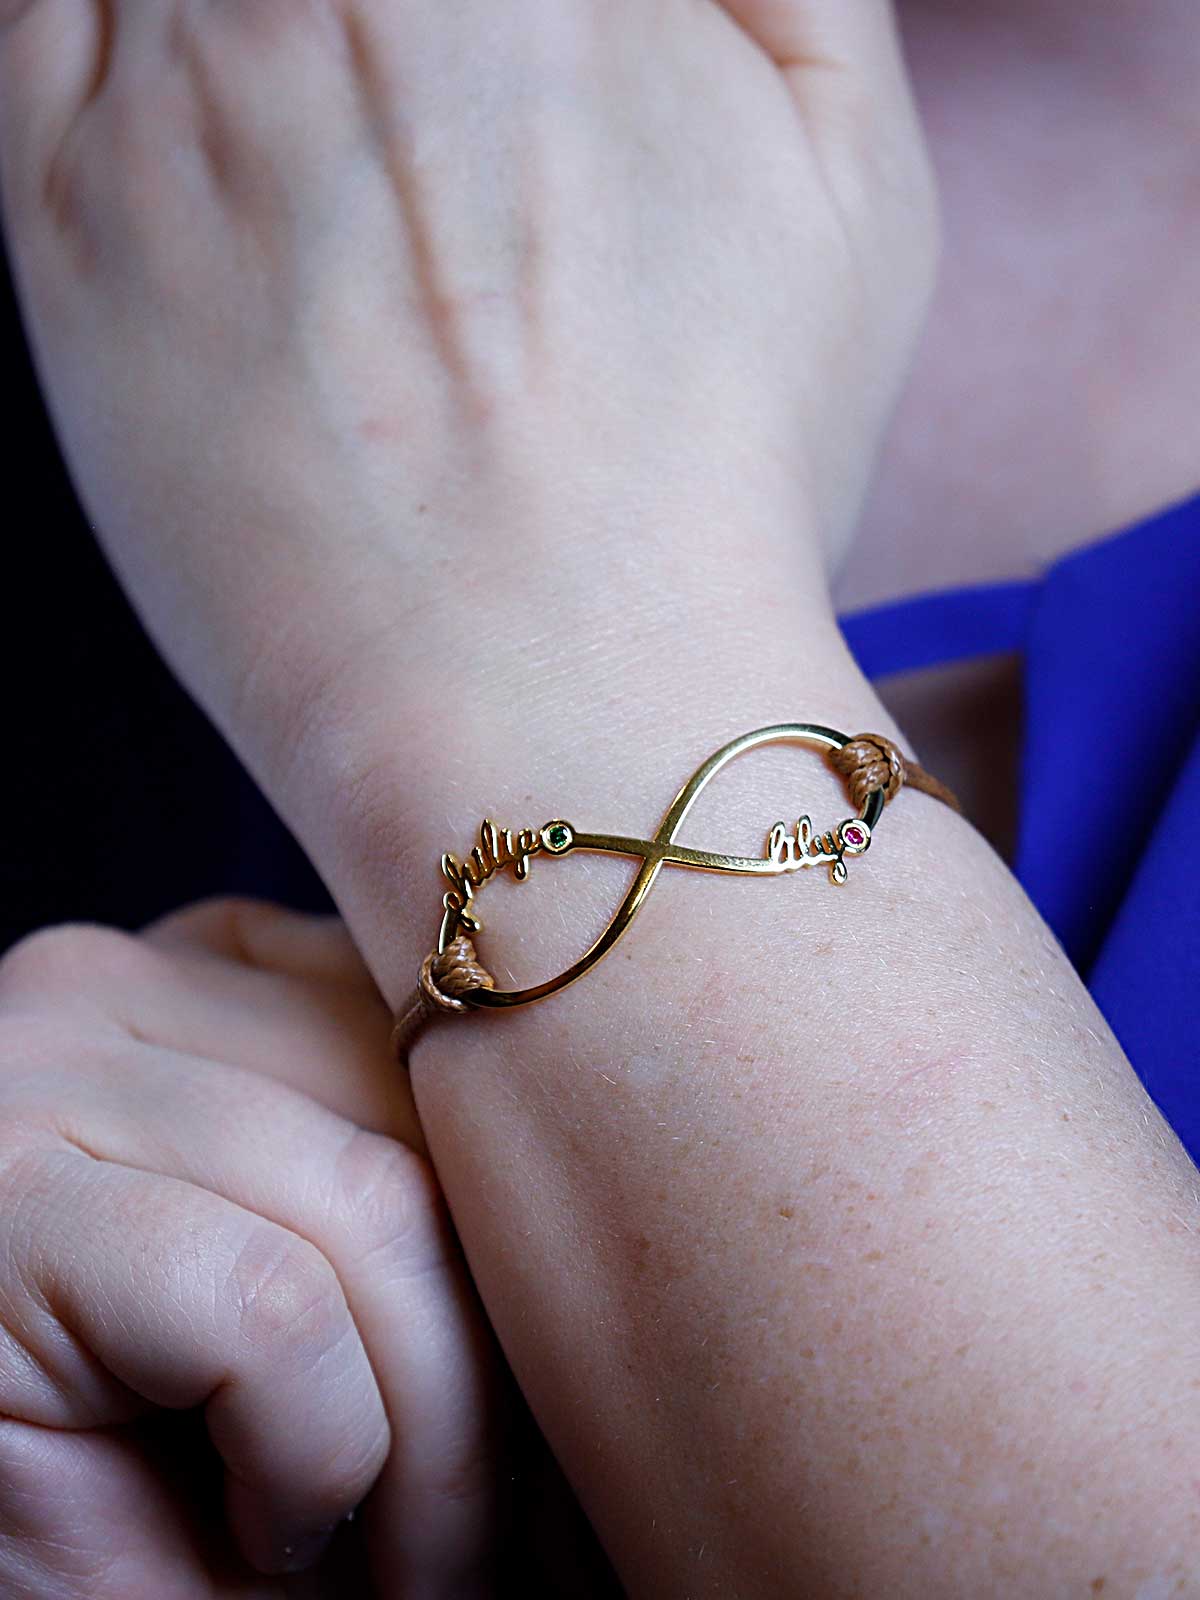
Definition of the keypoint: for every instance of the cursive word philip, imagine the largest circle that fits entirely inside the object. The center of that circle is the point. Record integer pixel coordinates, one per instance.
(496, 850)
(806, 848)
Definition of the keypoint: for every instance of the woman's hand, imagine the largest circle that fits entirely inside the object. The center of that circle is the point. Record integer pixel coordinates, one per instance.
(353, 315)
(212, 1195)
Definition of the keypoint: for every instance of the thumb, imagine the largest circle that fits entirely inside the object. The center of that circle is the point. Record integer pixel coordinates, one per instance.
(844, 64)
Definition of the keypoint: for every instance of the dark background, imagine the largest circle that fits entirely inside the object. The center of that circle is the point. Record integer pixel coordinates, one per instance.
(118, 800)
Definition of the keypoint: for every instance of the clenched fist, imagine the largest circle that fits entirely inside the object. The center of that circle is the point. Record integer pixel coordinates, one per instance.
(211, 1196)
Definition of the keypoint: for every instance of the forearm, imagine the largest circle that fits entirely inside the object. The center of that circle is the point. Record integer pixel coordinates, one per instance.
(422, 471)
(827, 1229)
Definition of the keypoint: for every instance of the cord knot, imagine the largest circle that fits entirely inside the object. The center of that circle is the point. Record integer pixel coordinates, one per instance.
(869, 762)
(453, 972)
(444, 976)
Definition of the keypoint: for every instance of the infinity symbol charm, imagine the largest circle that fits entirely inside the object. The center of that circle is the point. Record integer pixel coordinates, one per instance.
(785, 852)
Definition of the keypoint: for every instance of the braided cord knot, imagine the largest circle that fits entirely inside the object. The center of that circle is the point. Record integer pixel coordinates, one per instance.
(444, 976)
(453, 972)
(869, 762)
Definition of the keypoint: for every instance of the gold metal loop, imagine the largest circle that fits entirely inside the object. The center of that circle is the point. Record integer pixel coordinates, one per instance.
(785, 852)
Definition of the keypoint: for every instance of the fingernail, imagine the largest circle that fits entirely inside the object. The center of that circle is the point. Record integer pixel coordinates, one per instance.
(306, 1550)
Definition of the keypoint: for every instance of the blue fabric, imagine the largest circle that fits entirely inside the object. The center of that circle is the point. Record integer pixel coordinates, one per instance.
(1111, 643)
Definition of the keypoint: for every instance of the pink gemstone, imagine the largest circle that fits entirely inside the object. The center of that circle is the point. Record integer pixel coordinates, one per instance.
(854, 835)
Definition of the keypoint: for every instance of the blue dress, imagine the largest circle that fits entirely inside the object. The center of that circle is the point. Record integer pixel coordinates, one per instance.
(1111, 643)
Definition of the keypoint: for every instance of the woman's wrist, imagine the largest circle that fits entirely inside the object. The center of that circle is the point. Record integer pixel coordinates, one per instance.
(808, 1171)
(587, 698)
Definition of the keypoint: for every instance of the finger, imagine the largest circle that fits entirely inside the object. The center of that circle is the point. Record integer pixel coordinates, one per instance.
(268, 937)
(374, 1211)
(86, 1516)
(282, 993)
(188, 1299)
(320, 1023)
(843, 61)
(274, 991)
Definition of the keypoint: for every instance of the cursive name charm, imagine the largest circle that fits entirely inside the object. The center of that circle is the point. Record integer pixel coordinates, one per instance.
(805, 848)
(496, 850)
(785, 852)
(453, 979)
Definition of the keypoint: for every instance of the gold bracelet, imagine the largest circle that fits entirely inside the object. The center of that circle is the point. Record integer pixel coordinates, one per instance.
(452, 981)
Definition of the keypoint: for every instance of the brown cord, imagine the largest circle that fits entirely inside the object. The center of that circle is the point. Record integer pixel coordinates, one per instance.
(869, 762)
(442, 979)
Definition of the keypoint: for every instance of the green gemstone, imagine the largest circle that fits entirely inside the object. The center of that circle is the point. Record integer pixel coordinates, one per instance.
(558, 837)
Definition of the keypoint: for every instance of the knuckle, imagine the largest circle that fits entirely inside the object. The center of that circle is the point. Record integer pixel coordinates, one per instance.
(390, 1204)
(234, 916)
(286, 1298)
(59, 957)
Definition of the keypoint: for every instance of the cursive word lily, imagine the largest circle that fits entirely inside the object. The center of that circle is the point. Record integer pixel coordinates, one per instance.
(806, 848)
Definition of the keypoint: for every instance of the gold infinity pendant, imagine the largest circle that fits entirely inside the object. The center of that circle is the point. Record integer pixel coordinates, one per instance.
(499, 849)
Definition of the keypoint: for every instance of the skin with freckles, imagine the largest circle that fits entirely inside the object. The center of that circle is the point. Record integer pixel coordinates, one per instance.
(474, 410)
